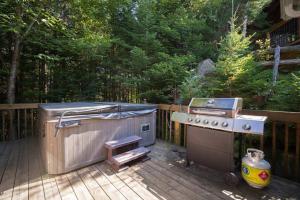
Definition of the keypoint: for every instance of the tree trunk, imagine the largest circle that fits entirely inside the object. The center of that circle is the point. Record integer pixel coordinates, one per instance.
(11, 96)
(13, 72)
(245, 26)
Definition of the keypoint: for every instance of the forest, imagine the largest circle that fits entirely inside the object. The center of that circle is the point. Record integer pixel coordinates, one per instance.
(139, 50)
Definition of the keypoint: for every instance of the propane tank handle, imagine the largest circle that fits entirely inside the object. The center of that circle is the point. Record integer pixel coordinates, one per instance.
(257, 153)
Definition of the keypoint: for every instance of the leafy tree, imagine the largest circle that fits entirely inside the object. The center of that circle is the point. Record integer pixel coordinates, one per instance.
(17, 21)
(163, 79)
(286, 93)
(129, 50)
(196, 86)
(234, 62)
(237, 73)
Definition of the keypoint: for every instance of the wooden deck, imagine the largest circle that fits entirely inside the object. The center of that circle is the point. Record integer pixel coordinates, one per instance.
(162, 177)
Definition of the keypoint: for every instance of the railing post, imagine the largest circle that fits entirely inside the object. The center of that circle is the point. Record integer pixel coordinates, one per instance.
(184, 135)
(3, 126)
(177, 133)
(274, 143)
(286, 148)
(297, 150)
(162, 125)
(261, 145)
(32, 131)
(25, 122)
(157, 123)
(166, 128)
(18, 118)
(170, 125)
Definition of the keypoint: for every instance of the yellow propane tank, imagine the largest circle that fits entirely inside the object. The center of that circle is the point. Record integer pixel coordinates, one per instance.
(255, 170)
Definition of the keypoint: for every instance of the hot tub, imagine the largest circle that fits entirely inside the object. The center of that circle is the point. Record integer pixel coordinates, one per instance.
(72, 135)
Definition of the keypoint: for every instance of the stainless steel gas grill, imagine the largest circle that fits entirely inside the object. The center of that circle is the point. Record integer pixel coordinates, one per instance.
(221, 114)
(212, 123)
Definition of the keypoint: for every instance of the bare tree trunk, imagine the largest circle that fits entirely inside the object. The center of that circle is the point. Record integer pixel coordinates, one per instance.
(13, 72)
(11, 96)
(245, 26)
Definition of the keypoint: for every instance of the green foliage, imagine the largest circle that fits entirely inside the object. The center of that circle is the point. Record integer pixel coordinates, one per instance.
(262, 51)
(237, 73)
(162, 80)
(234, 62)
(196, 86)
(254, 8)
(130, 50)
(286, 93)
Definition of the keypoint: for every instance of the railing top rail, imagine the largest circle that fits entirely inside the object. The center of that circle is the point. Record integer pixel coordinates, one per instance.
(282, 116)
(276, 115)
(18, 106)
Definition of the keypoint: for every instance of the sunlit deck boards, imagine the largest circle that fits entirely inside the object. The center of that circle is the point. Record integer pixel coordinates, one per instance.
(162, 177)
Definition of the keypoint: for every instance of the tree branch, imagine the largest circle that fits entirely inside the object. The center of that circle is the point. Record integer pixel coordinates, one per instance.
(2, 59)
(28, 29)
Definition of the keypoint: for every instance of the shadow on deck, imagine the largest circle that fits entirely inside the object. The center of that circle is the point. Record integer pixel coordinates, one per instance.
(163, 177)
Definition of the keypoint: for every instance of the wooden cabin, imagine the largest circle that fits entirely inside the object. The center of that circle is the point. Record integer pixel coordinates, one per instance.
(284, 17)
(285, 30)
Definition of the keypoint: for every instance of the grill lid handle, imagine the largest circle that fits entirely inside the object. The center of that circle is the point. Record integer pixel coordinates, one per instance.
(216, 113)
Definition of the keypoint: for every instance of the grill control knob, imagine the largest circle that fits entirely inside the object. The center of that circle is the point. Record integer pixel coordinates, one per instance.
(246, 127)
(197, 120)
(214, 123)
(190, 119)
(205, 121)
(224, 124)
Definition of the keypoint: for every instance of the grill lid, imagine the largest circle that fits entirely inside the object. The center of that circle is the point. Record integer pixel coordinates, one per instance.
(217, 103)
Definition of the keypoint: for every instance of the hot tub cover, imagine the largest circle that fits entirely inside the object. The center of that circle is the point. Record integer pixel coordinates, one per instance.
(104, 110)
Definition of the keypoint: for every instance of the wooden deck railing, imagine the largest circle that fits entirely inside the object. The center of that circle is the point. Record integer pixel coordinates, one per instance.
(280, 142)
(24, 121)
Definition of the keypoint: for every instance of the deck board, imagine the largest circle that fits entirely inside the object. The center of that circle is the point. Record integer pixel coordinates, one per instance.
(178, 188)
(118, 183)
(109, 189)
(163, 177)
(5, 154)
(79, 187)
(95, 190)
(143, 192)
(183, 185)
(8, 179)
(36, 189)
(158, 187)
(64, 187)
(50, 188)
(21, 181)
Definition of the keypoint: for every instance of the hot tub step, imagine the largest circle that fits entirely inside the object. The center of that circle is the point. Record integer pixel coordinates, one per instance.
(114, 144)
(128, 156)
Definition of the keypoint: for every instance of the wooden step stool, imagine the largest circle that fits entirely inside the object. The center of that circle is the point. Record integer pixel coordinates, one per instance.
(124, 150)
